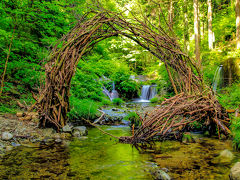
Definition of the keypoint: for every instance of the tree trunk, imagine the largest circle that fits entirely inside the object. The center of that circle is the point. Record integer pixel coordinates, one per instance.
(196, 32)
(238, 23)
(186, 34)
(210, 33)
(170, 14)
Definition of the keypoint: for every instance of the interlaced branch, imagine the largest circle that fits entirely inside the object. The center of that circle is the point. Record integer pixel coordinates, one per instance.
(195, 102)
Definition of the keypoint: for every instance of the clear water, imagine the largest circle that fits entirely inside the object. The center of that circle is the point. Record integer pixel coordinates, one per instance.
(101, 157)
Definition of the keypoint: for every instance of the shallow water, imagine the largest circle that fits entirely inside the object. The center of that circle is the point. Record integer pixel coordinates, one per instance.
(101, 157)
(105, 158)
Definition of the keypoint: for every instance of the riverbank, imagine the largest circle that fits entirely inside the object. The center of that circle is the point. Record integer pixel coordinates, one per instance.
(16, 132)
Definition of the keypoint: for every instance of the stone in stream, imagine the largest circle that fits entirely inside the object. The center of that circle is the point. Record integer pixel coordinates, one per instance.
(7, 136)
(67, 128)
(80, 131)
(235, 172)
(9, 148)
(48, 132)
(15, 144)
(159, 174)
(58, 140)
(225, 157)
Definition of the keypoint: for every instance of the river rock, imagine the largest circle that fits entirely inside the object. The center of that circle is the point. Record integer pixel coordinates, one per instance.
(67, 128)
(7, 136)
(48, 132)
(9, 148)
(58, 140)
(225, 157)
(159, 174)
(80, 131)
(15, 144)
(65, 136)
(235, 172)
(66, 143)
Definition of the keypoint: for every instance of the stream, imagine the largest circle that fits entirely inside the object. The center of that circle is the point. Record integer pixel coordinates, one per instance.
(99, 156)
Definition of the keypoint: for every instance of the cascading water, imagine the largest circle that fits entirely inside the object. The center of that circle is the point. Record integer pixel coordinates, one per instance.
(114, 93)
(148, 92)
(218, 77)
(145, 92)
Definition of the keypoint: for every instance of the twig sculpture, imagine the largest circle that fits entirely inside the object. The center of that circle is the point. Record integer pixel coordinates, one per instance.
(195, 101)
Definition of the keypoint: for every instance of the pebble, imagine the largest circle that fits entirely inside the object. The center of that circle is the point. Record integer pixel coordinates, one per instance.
(15, 144)
(80, 131)
(235, 172)
(7, 136)
(9, 148)
(58, 140)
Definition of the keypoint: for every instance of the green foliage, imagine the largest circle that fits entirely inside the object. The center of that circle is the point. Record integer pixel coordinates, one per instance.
(230, 96)
(126, 88)
(235, 127)
(154, 100)
(133, 118)
(85, 85)
(117, 101)
(197, 125)
(83, 108)
(4, 108)
(224, 31)
(106, 102)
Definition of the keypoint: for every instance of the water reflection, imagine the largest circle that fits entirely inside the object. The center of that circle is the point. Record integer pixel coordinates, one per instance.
(99, 157)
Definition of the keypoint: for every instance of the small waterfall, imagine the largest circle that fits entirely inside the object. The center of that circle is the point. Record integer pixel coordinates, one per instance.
(106, 92)
(145, 92)
(218, 77)
(114, 93)
(148, 92)
(113, 86)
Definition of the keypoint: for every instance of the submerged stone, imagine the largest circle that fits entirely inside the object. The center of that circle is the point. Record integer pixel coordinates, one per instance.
(225, 157)
(235, 172)
(80, 131)
(48, 132)
(9, 148)
(58, 140)
(15, 144)
(159, 174)
(7, 136)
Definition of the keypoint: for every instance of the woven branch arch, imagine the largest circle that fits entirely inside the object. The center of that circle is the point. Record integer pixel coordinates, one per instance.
(53, 103)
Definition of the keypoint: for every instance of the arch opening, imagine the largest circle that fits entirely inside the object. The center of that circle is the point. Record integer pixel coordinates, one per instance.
(186, 79)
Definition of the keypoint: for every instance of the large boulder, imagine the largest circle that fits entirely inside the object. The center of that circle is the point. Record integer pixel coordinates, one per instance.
(235, 172)
(79, 131)
(6, 136)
